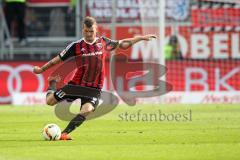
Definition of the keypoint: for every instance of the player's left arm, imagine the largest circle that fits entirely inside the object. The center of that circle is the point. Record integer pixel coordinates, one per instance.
(128, 42)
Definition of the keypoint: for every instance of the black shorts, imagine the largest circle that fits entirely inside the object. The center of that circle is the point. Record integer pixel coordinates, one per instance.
(60, 95)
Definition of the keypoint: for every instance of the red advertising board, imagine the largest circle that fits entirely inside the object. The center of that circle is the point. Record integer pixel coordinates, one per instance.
(200, 45)
(18, 77)
(210, 75)
(217, 70)
(184, 75)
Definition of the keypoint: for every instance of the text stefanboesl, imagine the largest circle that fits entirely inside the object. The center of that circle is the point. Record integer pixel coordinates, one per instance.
(156, 116)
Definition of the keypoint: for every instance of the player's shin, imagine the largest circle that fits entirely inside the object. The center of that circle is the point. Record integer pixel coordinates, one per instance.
(74, 123)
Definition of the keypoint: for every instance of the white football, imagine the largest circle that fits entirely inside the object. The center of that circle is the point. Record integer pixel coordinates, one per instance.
(51, 132)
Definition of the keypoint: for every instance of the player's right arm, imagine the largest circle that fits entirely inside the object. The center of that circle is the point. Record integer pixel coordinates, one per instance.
(65, 54)
(49, 64)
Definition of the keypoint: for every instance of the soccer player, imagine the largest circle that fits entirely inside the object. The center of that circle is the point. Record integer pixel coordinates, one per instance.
(91, 74)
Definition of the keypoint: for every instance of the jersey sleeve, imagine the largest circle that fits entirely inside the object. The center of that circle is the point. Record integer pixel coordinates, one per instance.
(68, 52)
(110, 44)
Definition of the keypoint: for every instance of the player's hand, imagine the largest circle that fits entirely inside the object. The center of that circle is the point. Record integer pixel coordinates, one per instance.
(149, 37)
(37, 70)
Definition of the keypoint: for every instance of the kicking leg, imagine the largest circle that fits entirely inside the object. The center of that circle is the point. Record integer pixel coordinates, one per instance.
(86, 109)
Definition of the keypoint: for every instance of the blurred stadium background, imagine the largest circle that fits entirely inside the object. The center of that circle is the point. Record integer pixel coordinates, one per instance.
(200, 48)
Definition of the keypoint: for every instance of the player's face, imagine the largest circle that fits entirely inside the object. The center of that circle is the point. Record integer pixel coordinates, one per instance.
(90, 33)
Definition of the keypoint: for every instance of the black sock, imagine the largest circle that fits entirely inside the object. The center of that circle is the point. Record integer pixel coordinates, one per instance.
(52, 87)
(74, 123)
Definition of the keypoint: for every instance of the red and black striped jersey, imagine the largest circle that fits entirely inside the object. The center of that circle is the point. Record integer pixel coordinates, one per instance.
(90, 60)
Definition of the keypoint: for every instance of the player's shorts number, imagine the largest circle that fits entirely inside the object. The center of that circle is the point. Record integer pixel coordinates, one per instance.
(60, 94)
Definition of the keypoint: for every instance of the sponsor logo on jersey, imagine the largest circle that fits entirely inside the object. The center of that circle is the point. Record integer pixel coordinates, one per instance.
(92, 54)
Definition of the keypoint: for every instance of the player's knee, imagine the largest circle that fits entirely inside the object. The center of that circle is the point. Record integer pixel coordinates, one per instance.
(51, 101)
(87, 108)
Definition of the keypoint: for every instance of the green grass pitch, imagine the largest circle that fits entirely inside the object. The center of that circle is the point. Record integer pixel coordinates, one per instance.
(211, 133)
